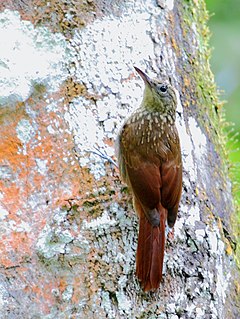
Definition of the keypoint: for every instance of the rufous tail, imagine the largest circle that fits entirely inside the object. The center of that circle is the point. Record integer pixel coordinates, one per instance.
(150, 250)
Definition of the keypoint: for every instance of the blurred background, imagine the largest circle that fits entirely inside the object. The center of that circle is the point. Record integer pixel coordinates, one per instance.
(224, 26)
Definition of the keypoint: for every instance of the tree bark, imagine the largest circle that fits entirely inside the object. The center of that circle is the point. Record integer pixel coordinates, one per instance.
(68, 229)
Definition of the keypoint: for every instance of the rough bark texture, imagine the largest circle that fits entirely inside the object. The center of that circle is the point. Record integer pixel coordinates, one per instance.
(68, 230)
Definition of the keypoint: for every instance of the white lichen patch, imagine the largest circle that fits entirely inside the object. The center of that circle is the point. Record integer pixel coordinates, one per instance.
(193, 142)
(190, 216)
(25, 131)
(197, 135)
(6, 172)
(217, 249)
(88, 136)
(42, 246)
(52, 242)
(199, 142)
(4, 295)
(100, 223)
(123, 217)
(29, 55)
(212, 239)
(21, 227)
(81, 241)
(186, 143)
(200, 234)
(125, 304)
(178, 227)
(169, 4)
(3, 213)
(117, 43)
(50, 129)
(83, 123)
(67, 293)
(42, 166)
(106, 304)
(223, 280)
(193, 216)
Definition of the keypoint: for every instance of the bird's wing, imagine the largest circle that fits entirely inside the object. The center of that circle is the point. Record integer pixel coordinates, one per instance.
(171, 174)
(155, 177)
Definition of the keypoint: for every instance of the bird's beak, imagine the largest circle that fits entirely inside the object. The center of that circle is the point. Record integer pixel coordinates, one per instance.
(144, 76)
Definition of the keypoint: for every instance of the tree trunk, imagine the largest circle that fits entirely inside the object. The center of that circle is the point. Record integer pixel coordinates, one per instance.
(68, 229)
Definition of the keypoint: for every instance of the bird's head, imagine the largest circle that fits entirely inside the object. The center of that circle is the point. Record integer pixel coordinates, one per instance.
(158, 95)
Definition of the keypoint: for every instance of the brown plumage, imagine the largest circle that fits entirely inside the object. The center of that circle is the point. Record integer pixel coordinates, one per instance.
(149, 156)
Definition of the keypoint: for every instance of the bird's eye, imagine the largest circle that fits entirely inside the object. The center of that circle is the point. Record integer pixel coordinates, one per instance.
(163, 89)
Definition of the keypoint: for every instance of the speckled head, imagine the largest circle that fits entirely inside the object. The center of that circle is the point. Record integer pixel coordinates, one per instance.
(158, 95)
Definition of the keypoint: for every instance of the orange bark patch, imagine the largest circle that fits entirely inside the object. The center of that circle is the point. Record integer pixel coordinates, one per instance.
(42, 174)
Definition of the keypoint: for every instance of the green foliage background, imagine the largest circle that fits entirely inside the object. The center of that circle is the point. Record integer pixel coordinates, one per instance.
(225, 62)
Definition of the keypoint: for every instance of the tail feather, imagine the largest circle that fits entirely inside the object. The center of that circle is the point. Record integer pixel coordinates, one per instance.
(150, 251)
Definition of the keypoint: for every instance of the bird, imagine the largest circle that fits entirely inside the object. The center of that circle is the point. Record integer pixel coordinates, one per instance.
(150, 163)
